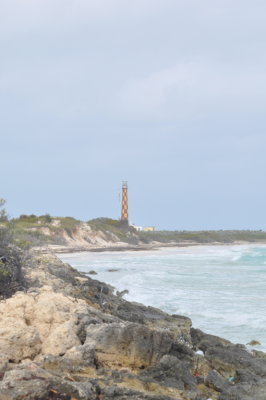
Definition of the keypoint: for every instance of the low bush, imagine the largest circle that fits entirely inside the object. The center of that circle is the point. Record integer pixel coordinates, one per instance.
(11, 274)
(11, 258)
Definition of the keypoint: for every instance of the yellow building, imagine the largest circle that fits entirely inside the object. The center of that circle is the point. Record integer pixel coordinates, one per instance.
(148, 228)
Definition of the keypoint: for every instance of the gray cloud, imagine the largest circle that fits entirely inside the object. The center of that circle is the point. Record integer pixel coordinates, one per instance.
(167, 94)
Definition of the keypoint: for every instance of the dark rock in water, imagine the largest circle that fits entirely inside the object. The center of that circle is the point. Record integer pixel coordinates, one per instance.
(254, 343)
(88, 272)
(113, 270)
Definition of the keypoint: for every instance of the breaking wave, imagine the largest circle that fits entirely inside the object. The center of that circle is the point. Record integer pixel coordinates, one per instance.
(221, 288)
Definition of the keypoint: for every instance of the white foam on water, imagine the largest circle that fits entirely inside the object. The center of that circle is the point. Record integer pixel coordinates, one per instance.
(221, 288)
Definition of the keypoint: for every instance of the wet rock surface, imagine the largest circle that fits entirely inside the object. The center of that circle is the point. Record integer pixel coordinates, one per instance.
(71, 338)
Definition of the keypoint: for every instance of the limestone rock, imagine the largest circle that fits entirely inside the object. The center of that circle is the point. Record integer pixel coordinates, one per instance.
(34, 383)
(87, 343)
(17, 340)
(155, 318)
(44, 323)
(30, 383)
(217, 382)
(245, 392)
(128, 344)
(171, 372)
(118, 393)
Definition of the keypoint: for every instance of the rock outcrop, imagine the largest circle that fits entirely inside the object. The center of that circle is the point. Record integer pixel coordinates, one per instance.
(70, 337)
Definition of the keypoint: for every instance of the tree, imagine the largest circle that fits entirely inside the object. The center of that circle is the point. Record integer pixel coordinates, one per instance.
(3, 214)
(5, 230)
(11, 258)
(47, 218)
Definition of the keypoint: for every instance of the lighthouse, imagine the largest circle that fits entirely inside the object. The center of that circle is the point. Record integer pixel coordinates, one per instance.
(124, 205)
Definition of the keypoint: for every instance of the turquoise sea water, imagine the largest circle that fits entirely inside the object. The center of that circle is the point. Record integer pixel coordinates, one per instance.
(221, 288)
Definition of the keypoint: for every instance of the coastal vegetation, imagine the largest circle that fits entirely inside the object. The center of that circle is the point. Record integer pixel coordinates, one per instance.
(220, 236)
(120, 229)
(11, 258)
(28, 231)
(32, 230)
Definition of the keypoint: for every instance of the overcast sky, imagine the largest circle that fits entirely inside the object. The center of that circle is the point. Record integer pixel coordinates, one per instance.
(169, 95)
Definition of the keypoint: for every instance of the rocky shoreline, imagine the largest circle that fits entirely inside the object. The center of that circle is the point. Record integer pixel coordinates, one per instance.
(69, 337)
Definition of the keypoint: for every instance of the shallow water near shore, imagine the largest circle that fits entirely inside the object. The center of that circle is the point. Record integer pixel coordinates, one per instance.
(221, 288)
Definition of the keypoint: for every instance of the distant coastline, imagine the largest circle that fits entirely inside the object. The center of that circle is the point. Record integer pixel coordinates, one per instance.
(152, 247)
(66, 234)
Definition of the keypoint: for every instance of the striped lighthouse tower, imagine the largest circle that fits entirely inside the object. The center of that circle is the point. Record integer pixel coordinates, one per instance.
(124, 205)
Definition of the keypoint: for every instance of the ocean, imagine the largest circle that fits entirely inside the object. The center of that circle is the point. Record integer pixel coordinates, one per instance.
(221, 288)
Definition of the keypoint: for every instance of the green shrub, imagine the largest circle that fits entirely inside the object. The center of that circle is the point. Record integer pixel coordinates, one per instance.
(30, 219)
(46, 218)
(203, 236)
(112, 226)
